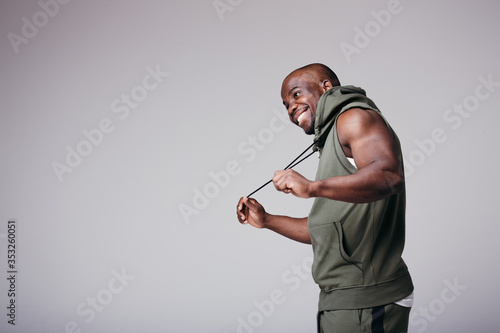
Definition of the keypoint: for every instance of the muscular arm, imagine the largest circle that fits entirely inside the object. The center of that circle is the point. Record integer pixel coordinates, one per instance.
(250, 211)
(364, 136)
(291, 227)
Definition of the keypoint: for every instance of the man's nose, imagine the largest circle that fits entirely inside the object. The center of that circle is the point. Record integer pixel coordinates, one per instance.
(291, 110)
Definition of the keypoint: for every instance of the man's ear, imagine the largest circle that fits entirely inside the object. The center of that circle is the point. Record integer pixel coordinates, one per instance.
(326, 85)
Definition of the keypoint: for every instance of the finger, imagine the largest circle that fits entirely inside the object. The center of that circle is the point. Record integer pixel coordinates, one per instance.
(281, 182)
(241, 210)
(277, 175)
(251, 204)
(241, 203)
(245, 221)
(243, 216)
(277, 185)
(277, 179)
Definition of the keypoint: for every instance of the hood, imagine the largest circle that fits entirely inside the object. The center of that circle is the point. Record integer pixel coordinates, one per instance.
(331, 104)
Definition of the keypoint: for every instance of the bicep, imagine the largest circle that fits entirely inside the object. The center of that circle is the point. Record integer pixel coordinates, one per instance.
(369, 139)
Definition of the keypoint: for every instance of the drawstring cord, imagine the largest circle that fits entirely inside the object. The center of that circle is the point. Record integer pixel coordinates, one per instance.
(289, 166)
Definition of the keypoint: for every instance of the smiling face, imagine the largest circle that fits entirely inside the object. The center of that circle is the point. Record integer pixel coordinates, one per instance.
(301, 91)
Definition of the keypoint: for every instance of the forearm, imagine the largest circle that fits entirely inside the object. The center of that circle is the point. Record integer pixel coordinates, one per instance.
(366, 185)
(290, 227)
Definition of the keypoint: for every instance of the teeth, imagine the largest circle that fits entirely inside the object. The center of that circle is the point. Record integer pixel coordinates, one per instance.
(302, 115)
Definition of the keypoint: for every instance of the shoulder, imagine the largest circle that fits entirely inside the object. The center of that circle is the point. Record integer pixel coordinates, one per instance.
(358, 118)
(358, 114)
(357, 123)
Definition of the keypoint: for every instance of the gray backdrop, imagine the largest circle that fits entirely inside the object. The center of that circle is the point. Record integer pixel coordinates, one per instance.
(130, 129)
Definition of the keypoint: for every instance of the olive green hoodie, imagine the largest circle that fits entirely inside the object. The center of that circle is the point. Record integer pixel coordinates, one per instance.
(357, 247)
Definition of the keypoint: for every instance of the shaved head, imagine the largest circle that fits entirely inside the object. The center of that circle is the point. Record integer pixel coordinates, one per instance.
(317, 72)
(301, 91)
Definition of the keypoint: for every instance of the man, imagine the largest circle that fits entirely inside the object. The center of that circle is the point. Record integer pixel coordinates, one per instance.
(357, 222)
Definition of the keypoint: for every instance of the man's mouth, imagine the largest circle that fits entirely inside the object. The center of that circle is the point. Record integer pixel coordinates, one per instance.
(301, 116)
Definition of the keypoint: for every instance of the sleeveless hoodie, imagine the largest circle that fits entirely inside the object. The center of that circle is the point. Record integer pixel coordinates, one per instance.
(357, 247)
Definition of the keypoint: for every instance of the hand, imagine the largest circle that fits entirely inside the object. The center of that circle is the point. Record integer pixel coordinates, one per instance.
(250, 211)
(290, 181)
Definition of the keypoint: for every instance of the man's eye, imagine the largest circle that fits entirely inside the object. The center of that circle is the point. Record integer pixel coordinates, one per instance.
(296, 94)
